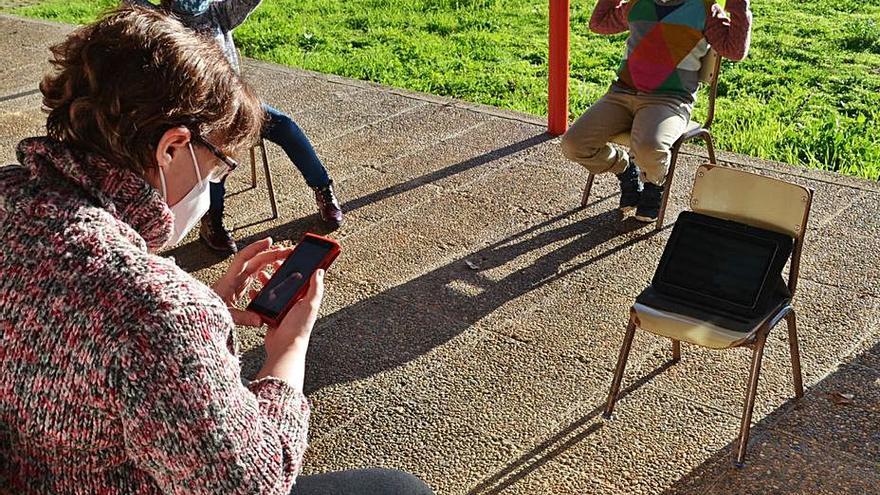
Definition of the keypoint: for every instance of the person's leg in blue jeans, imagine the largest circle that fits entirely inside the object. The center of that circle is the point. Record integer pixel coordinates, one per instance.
(361, 482)
(218, 195)
(283, 131)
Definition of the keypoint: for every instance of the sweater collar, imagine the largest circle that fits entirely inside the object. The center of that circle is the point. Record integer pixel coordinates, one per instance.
(123, 193)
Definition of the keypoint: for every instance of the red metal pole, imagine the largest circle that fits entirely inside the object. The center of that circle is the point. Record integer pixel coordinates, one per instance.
(557, 91)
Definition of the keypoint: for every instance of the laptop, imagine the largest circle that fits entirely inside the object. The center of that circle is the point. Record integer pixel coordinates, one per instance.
(721, 271)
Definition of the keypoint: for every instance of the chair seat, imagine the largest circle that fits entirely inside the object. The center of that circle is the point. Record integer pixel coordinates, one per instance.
(623, 138)
(689, 329)
(662, 316)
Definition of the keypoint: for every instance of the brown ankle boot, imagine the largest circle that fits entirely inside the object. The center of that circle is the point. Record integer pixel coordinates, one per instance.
(215, 235)
(328, 206)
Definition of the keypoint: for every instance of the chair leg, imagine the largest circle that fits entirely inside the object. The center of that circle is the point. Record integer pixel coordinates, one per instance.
(621, 366)
(710, 147)
(752, 389)
(676, 351)
(269, 181)
(798, 379)
(253, 168)
(589, 186)
(667, 186)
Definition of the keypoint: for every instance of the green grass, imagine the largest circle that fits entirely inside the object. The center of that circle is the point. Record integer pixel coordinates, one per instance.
(809, 92)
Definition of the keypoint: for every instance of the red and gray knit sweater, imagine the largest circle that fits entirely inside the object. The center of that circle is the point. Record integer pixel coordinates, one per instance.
(115, 374)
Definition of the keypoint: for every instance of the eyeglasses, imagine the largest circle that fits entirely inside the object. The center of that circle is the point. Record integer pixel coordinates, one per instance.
(218, 173)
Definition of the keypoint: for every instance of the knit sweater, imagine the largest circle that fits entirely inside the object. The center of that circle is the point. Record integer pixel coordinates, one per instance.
(667, 40)
(115, 369)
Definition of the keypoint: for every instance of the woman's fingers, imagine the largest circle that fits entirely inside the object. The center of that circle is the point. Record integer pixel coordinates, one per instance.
(300, 320)
(264, 277)
(251, 250)
(315, 292)
(267, 258)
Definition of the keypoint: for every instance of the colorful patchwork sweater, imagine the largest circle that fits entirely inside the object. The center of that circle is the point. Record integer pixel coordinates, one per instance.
(116, 375)
(668, 40)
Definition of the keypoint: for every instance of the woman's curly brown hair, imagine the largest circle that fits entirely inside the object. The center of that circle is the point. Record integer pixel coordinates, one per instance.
(123, 81)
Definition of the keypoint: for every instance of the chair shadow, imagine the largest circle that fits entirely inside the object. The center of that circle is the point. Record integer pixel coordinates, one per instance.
(404, 322)
(446, 172)
(822, 416)
(194, 256)
(844, 434)
(549, 449)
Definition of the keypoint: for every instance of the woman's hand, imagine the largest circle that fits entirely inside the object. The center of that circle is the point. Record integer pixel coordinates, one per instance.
(251, 262)
(296, 326)
(287, 344)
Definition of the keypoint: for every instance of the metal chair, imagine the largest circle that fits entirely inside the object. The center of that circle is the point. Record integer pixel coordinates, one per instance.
(754, 200)
(709, 69)
(262, 146)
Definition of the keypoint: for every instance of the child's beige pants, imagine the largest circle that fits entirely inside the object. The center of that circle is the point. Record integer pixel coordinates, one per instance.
(655, 122)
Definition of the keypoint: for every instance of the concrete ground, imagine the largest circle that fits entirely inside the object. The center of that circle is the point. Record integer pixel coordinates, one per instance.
(471, 325)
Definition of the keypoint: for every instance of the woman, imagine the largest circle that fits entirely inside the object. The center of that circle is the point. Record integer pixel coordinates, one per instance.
(115, 371)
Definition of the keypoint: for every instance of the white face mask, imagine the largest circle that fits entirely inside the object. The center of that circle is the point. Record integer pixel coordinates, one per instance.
(189, 210)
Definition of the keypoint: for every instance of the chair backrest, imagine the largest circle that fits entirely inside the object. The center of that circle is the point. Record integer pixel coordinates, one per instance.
(241, 61)
(755, 200)
(710, 66)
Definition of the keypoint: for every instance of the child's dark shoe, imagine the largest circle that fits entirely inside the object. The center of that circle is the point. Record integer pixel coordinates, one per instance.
(630, 187)
(215, 235)
(649, 203)
(328, 206)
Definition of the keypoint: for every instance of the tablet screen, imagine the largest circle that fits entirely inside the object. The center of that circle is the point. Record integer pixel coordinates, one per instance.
(719, 263)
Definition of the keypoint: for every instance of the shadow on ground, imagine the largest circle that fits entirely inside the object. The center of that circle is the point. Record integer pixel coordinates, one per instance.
(194, 256)
(561, 441)
(406, 321)
(826, 442)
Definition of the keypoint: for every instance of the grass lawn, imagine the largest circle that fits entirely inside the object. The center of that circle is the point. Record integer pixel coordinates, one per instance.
(809, 92)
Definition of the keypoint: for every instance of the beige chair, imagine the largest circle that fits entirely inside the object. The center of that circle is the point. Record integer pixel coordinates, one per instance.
(711, 66)
(753, 200)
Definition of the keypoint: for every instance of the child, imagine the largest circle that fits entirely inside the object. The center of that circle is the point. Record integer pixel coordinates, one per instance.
(218, 18)
(653, 95)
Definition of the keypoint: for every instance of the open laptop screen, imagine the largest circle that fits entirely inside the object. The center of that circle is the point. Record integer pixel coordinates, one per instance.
(715, 263)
